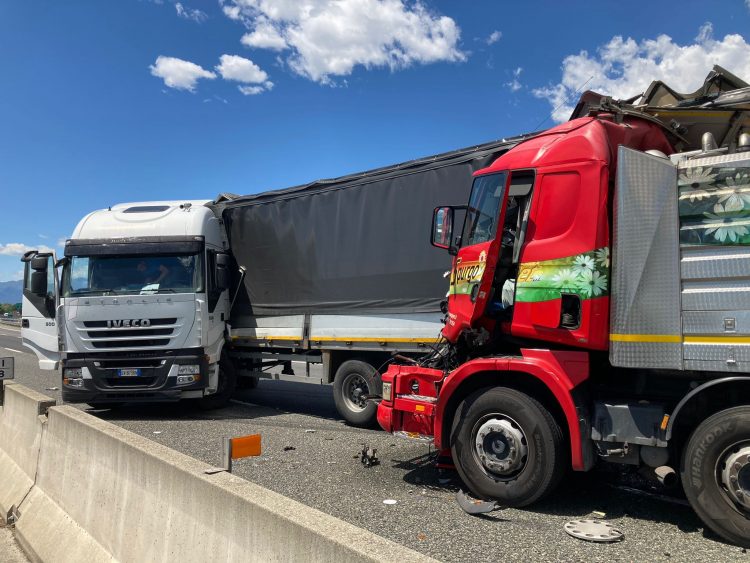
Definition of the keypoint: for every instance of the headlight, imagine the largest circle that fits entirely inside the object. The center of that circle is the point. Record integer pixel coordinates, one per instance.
(73, 373)
(387, 392)
(192, 369)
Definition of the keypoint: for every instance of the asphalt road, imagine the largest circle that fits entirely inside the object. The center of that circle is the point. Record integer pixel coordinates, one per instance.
(312, 456)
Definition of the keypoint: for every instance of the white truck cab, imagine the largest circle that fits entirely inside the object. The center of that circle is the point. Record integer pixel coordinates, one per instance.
(137, 306)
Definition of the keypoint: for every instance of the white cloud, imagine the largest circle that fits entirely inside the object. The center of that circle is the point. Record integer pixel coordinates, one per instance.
(495, 36)
(266, 36)
(328, 38)
(11, 276)
(251, 90)
(19, 249)
(240, 69)
(624, 67)
(179, 74)
(515, 84)
(194, 14)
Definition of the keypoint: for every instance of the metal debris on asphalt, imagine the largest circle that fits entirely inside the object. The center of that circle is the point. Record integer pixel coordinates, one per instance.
(475, 506)
(389, 501)
(157, 431)
(51, 388)
(289, 448)
(309, 431)
(369, 456)
(593, 531)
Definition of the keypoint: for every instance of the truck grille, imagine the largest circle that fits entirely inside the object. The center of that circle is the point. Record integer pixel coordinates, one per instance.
(158, 333)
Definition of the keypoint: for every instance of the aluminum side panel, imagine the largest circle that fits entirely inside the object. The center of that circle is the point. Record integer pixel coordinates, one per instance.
(645, 321)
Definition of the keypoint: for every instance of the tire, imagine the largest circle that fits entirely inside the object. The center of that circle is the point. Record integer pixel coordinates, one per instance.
(247, 382)
(227, 386)
(716, 440)
(355, 378)
(514, 480)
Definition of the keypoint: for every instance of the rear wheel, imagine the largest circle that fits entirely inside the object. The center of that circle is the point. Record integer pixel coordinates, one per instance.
(227, 385)
(716, 473)
(353, 381)
(507, 446)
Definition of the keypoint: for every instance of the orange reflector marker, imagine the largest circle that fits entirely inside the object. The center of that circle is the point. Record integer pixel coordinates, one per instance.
(419, 408)
(245, 446)
(664, 422)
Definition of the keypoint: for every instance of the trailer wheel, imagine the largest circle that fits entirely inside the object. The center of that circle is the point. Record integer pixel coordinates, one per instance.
(227, 385)
(354, 379)
(247, 382)
(716, 473)
(507, 446)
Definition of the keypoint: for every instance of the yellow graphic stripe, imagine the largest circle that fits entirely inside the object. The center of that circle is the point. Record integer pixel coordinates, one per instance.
(645, 338)
(338, 339)
(717, 339)
(673, 338)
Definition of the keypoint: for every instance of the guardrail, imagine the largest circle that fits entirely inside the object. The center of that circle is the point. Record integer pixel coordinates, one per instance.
(78, 488)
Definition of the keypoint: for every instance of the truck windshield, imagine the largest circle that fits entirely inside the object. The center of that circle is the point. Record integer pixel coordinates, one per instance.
(485, 204)
(132, 275)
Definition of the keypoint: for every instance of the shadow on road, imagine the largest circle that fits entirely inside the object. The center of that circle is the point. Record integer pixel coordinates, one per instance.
(270, 398)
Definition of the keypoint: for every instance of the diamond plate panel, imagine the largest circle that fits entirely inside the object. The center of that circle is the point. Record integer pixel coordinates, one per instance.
(645, 297)
(662, 355)
(717, 352)
(703, 365)
(710, 262)
(726, 323)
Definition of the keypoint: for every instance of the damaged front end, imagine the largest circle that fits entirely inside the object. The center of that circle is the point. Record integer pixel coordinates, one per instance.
(409, 401)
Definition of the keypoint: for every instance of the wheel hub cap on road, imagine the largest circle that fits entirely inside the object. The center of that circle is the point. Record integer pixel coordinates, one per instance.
(500, 446)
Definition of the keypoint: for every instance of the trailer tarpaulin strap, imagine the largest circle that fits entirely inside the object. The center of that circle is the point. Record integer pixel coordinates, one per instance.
(358, 244)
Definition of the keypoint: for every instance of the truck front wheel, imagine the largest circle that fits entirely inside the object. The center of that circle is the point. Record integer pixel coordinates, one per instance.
(353, 381)
(507, 446)
(716, 473)
(226, 387)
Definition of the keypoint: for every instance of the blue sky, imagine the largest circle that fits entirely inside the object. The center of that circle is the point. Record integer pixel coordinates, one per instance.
(250, 95)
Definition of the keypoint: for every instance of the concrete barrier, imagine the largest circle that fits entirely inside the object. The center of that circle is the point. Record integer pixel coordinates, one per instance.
(20, 438)
(103, 493)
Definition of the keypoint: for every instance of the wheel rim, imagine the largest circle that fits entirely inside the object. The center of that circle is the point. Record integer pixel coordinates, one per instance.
(354, 389)
(500, 446)
(734, 474)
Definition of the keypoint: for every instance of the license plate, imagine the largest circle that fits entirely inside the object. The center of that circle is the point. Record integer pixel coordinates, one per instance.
(128, 372)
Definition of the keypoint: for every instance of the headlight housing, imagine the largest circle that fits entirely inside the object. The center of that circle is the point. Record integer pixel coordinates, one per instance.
(386, 391)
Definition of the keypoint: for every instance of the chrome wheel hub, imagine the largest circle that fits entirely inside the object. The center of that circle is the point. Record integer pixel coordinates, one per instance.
(735, 476)
(355, 388)
(501, 446)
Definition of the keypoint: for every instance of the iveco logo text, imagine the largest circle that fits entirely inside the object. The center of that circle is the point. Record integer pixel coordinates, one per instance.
(128, 322)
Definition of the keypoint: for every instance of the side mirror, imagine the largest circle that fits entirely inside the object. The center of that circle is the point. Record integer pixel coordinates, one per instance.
(442, 227)
(222, 279)
(39, 283)
(39, 264)
(222, 260)
(222, 271)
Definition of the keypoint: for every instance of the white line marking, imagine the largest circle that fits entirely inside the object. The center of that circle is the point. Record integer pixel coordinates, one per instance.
(13, 350)
(243, 403)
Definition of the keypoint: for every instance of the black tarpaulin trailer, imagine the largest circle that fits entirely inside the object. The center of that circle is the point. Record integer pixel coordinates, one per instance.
(358, 244)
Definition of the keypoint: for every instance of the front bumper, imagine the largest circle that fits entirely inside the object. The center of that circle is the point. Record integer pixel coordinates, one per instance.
(413, 405)
(157, 382)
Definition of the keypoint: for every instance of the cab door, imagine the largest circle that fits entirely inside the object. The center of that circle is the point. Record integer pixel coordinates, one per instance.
(39, 323)
(474, 266)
